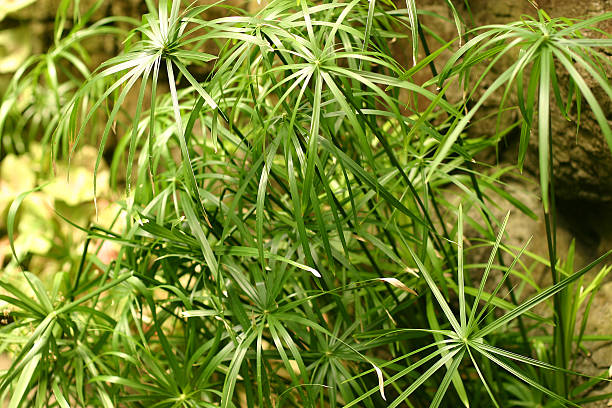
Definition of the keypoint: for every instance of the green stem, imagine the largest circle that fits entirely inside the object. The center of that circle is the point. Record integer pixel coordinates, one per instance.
(95, 293)
(559, 352)
(479, 195)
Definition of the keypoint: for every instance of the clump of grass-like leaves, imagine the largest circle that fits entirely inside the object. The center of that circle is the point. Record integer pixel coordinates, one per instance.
(286, 238)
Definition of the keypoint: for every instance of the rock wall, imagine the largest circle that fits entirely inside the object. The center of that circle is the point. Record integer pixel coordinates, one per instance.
(582, 159)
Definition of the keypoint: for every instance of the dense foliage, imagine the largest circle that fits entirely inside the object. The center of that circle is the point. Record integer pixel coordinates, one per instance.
(285, 235)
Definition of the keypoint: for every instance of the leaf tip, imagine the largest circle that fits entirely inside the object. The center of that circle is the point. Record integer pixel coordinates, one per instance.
(398, 284)
(314, 272)
(381, 381)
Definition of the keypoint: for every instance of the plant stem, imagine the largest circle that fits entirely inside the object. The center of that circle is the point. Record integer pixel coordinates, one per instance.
(479, 195)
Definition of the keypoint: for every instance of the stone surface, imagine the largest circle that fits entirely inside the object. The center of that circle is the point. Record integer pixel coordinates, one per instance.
(583, 160)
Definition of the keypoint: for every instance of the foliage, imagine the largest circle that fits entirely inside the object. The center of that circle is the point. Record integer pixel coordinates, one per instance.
(286, 237)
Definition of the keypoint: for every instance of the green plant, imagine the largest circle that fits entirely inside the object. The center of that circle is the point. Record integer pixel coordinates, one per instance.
(541, 44)
(32, 103)
(286, 227)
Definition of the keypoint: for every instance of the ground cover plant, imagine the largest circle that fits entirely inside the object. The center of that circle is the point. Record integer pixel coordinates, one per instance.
(283, 234)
